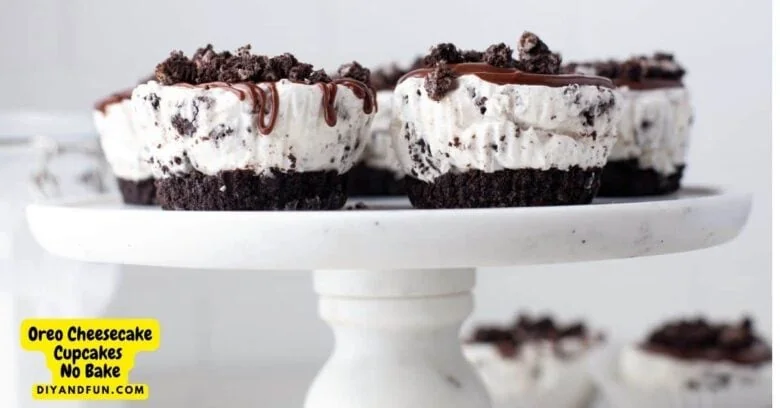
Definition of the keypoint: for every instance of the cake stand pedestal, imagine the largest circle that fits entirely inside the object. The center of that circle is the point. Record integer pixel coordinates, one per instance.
(394, 283)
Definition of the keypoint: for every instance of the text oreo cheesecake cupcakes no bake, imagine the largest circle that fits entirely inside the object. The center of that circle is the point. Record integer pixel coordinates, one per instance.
(486, 129)
(247, 132)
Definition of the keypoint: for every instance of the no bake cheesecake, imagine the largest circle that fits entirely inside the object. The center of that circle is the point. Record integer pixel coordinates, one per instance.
(499, 129)
(240, 131)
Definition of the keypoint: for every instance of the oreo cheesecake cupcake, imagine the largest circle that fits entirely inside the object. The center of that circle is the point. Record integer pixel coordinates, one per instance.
(124, 149)
(533, 363)
(379, 173)
(654, 127)
(690, 363)
(495, 129)
(240, 131)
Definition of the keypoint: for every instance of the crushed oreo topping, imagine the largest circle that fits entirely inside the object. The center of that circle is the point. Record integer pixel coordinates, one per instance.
(499, 55)
(534, 56)
(177, 68)
(698, 339)
(528, 329)
(301, 72)
(545, 328)
(439, 81)
(355, 71)
(318, 76)
(474, 55)
(660, 65)
(206, 65)
(444, 52)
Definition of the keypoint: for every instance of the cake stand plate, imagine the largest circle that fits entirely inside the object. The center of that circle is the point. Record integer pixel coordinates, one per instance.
(394, 282)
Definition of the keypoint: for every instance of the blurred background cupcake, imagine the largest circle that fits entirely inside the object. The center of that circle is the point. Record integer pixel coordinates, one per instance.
(534, 362)
(379, 173)
(124, 150)
(689, 363)
(654, 127)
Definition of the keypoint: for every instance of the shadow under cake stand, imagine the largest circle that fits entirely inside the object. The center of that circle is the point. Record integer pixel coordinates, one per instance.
(394, 283)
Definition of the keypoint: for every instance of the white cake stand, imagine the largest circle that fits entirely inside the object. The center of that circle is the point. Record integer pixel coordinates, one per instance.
(394, 283)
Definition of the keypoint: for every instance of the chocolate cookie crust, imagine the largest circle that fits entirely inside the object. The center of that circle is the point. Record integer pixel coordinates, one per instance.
(506, 188)
(366, 181)
(385, 78)
(624, 178)
(140, 192)
(243, 190)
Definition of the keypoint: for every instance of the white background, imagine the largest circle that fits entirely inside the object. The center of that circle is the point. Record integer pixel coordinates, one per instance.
(66, 54)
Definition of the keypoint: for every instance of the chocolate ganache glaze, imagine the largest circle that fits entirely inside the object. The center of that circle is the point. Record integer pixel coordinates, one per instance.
(266, 101)
(104, 103)
(504, 76)
(120, 96)
(648, 84)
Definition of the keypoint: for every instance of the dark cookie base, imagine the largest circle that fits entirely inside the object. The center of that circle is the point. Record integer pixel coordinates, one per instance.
(506, 188)
(243, 190)
(364, 181)
(624, 178)
(137, 192)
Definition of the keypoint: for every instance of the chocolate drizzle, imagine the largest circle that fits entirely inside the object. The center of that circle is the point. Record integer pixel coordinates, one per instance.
(266, 101)
(328, 102)
(361, 91)
(103, 104)
(504, 76)
(648, 84)
(260, 99)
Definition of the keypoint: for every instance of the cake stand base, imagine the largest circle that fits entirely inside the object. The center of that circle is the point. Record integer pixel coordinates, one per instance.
(397, 340)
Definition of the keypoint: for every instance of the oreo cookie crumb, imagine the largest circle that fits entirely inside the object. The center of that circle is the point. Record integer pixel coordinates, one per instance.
(209, 63)
(283, 64)
(498, 55)
(444, 52)
(184, 127)
(354, 70)
(535, 57)
(475, 56)
(439, 81)
(318, 76)
(177, 68)
(358, 206)
(301, 72)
